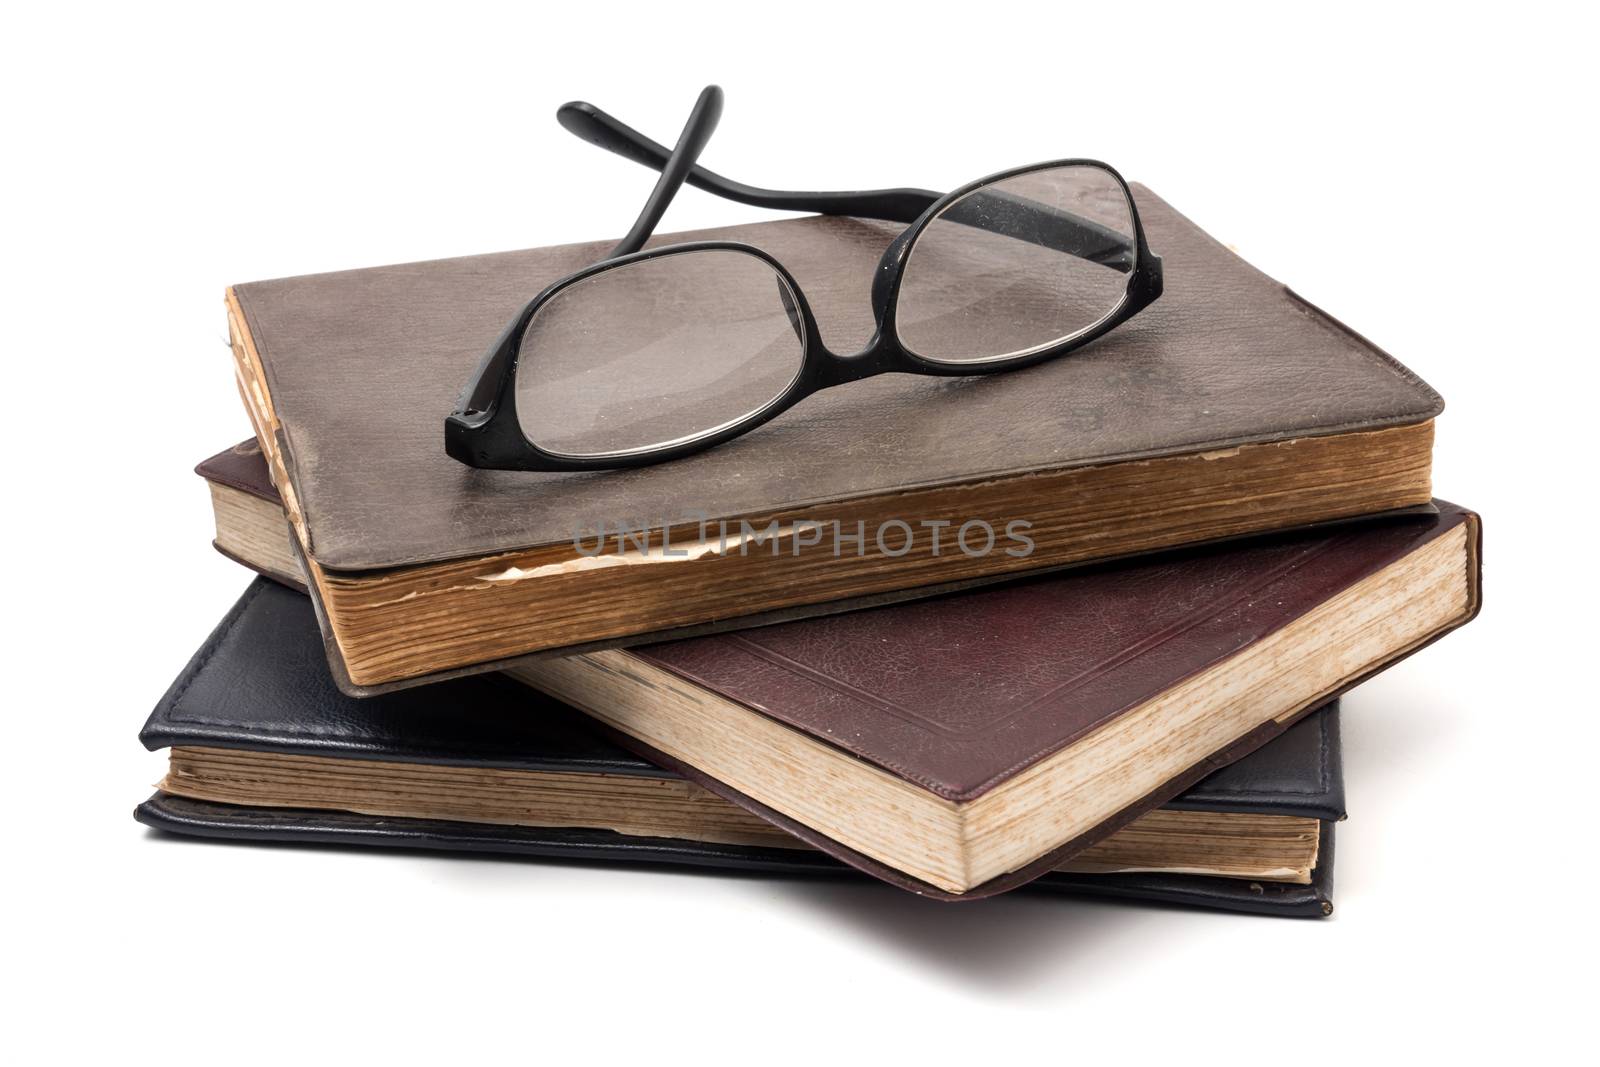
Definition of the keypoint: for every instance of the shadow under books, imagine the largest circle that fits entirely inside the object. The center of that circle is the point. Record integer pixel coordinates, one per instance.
(1001, 943)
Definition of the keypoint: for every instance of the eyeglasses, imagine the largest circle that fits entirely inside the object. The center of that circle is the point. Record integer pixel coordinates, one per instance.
(649, 356)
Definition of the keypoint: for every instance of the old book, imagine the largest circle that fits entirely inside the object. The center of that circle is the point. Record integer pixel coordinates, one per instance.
(263, 746)
(1230, 407)
(248, 513)
(960, 745)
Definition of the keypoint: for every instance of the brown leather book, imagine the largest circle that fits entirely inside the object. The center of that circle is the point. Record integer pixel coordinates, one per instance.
(1229, 407)
(964, 752)
(961, 746)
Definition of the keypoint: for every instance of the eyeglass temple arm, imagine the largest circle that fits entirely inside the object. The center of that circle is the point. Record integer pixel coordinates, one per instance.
(998, 212)
(675, 166)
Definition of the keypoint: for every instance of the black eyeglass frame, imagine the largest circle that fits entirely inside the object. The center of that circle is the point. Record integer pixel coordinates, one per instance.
(485, 431)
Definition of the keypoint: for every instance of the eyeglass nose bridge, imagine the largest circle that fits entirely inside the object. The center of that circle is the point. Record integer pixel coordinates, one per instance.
(879, 356)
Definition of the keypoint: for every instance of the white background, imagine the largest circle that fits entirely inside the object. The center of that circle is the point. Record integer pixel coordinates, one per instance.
(1427, 177)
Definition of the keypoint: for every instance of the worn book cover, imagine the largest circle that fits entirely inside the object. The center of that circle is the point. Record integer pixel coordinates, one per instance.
(1229, 407)
(962, 746)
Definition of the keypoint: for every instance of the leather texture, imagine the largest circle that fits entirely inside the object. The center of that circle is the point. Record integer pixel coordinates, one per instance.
(260, 682)
(195, 818)
(960, 694)
(241, 467)
(1347, 555)
(362, 367)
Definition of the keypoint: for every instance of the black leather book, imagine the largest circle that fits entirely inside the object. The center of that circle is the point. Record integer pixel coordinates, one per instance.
(266, 748)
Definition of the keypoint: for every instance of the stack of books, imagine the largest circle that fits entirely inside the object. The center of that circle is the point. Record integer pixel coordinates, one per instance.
(1081, 627)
